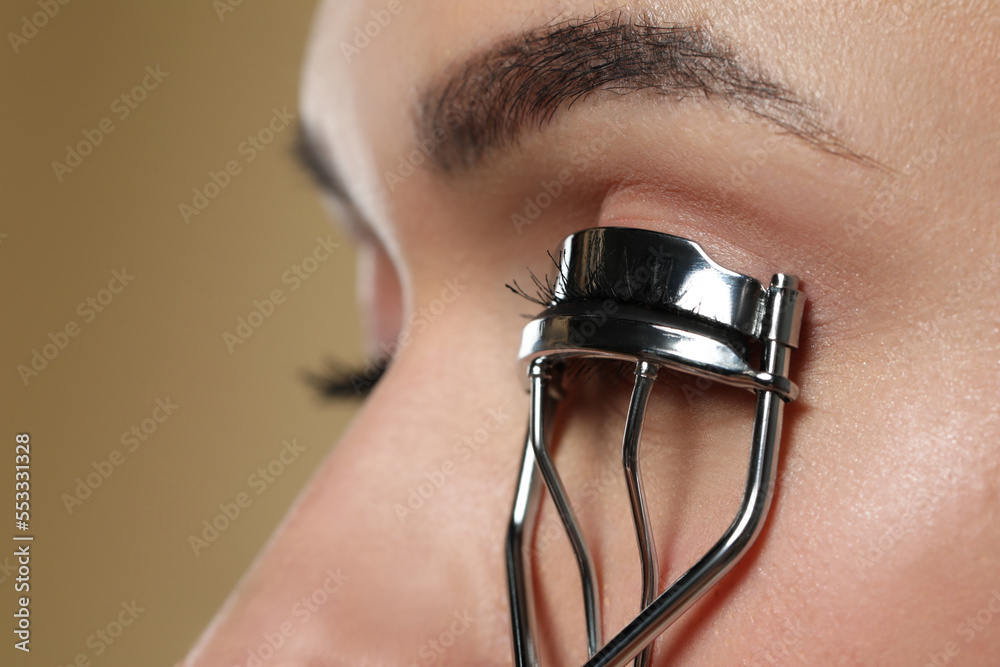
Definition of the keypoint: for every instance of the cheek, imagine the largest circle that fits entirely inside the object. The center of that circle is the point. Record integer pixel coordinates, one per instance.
(875, 525)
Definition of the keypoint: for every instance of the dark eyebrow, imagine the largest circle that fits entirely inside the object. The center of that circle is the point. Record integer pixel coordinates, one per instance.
(309, 152)
(312, 155)
(486, 103)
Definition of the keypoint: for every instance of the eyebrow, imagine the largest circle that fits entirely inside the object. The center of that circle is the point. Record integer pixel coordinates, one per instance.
(486, 103)
(311, 154)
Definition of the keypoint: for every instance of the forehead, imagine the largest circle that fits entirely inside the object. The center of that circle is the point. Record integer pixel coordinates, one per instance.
(369, 61)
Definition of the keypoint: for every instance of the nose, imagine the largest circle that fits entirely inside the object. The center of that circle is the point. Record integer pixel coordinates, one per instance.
(393, 554)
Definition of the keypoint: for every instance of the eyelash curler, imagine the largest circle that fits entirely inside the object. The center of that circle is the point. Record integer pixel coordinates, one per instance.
(660, 302)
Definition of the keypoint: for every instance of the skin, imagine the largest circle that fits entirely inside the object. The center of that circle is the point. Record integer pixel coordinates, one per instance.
(882, 539)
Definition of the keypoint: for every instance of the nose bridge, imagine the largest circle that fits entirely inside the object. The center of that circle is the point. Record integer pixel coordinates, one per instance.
(438, 424)
(406, 510)
(424, 477)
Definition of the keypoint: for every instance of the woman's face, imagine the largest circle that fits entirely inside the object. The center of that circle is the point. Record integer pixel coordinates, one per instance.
(853, 144)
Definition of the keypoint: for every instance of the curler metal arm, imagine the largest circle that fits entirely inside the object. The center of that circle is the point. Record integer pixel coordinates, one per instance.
(536, 437)
(519, 531)
(645, 375)
(741, 534)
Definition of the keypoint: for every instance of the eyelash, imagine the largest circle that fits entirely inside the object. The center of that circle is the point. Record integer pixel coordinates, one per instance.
(342, 383)
(602, 286)
(352, 383)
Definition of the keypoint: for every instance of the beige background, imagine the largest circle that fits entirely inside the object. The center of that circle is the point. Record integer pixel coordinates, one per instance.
(162, 335)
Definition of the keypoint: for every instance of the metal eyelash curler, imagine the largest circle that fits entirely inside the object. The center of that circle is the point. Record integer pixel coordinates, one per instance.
(673, 308)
